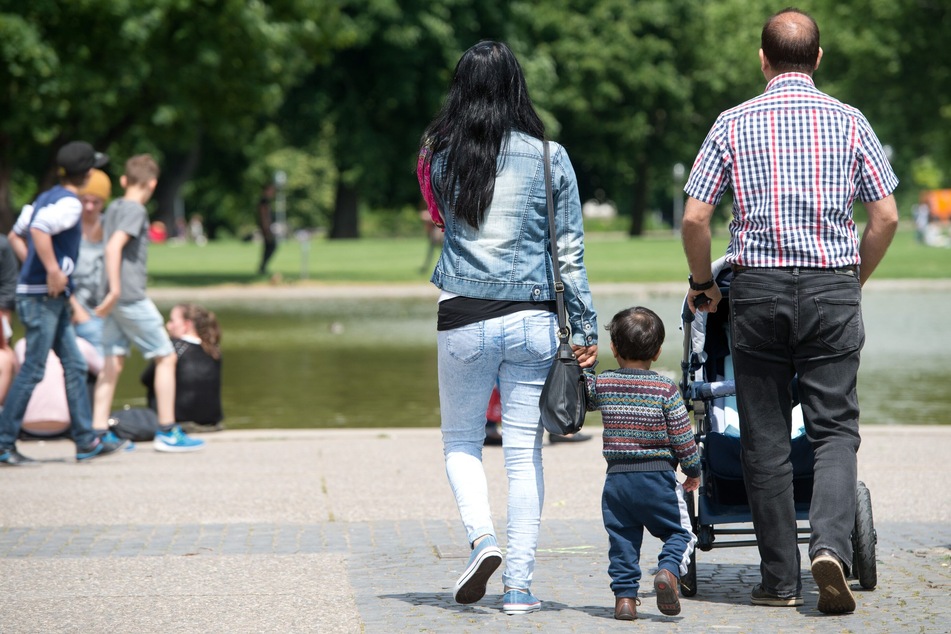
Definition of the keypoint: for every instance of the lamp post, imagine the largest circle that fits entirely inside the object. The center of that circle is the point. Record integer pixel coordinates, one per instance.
(678, 195)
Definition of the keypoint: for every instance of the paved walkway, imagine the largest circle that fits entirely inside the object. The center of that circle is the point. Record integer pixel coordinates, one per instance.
(356, 531)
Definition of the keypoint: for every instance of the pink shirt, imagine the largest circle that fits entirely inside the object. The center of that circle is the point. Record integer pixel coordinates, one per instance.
(47, 413)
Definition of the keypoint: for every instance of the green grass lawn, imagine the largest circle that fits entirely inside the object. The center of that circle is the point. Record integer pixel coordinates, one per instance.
(609, 258)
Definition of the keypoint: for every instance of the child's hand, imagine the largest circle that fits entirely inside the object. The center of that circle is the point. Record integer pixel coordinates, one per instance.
(108, 303)
(80, 314)
(691, 484)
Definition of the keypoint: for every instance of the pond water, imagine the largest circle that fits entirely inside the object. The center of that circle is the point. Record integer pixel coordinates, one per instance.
(372, 362)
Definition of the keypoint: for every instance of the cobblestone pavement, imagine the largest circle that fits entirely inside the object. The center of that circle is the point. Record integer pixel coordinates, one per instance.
(330, 531)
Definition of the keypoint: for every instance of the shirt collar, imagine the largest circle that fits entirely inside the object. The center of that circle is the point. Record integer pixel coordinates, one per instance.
(790, 79)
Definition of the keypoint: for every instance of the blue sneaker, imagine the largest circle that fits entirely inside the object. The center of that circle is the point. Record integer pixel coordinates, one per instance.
(110, 436)
(13, 458)
(102, 447)
(484, 560)
(176, 441)
(520, 602)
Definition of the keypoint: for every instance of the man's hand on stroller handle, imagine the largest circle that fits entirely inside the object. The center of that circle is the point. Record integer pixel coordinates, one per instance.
(704, 301)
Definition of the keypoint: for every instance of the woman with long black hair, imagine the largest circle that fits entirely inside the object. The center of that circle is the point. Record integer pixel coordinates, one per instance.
(482, 175)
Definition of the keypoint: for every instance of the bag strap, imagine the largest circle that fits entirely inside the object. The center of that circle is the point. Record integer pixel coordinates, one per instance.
(563, 332)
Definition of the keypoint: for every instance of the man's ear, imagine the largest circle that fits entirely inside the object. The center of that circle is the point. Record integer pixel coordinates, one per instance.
(123, 181)
(764, 63)
(818, 59)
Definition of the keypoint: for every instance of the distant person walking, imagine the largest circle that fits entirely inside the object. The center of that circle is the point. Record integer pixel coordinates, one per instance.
(265, 218)
(796, 160)
(483, 156)
(49, 228)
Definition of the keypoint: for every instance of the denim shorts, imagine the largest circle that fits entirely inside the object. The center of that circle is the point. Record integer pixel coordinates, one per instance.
(138, 323)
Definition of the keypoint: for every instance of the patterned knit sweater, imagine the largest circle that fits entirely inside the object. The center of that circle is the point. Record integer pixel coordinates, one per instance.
(646, 427)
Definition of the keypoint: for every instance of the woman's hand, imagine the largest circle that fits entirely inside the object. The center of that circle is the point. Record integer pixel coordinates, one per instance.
(586, 355)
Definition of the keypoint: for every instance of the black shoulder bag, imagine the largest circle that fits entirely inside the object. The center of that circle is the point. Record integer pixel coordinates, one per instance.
(563, 402)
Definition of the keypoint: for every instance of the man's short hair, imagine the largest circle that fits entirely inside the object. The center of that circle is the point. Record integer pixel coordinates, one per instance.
(140, 169)
(790, 41)
(637, 333)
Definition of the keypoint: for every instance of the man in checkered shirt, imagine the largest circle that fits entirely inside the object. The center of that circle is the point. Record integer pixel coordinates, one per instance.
(796, 159)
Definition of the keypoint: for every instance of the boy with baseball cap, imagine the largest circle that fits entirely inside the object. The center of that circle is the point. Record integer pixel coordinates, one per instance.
(48, 233)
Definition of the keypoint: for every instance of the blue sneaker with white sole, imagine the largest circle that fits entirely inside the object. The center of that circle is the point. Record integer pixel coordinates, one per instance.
(176, 441)
(520, 602)
(486, 557)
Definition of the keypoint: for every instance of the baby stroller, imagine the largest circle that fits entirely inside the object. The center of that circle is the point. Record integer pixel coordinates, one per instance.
(720, 506)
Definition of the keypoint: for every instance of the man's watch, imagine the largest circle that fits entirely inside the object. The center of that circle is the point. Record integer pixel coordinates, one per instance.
(699, 287)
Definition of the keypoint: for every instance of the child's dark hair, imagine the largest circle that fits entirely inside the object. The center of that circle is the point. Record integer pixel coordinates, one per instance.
(637, 333)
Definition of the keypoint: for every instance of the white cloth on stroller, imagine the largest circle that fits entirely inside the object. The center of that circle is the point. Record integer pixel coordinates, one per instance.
(724, 415)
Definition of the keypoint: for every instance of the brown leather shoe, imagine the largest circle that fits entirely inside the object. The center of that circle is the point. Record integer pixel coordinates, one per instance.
(835, 595)
(625, 608)
(665, 585)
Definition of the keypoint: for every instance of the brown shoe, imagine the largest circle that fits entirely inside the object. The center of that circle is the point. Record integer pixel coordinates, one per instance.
(835, 595)
(625, 608)
(665, 585)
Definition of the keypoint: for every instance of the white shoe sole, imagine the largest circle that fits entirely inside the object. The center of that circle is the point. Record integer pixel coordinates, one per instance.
(158, 445)
(471, 585)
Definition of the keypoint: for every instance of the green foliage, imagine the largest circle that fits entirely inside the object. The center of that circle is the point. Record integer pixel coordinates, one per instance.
(227, 92)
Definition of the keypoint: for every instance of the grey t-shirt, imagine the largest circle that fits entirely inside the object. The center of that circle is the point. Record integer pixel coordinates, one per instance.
(130, 217)
(88, 278)
(9, 269)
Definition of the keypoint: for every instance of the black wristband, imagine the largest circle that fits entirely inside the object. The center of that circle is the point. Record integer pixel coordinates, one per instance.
(699, 287)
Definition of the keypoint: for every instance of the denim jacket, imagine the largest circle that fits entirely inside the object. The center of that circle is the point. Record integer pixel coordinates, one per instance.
(507, 258)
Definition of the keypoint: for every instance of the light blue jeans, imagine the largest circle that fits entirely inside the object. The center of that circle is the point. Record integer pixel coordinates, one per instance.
(516, 350)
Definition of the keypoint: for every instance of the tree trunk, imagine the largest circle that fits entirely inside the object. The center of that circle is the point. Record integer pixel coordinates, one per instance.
(7, 215)
(178, 169)
(641, 189)
(345, 220)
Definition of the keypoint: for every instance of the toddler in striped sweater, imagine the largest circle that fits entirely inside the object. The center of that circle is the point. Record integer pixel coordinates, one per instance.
(646, 434)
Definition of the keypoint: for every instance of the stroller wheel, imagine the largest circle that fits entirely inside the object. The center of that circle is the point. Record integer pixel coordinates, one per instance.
(864, 539)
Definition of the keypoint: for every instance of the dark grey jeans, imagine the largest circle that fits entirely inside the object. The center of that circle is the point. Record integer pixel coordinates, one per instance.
(806, 322)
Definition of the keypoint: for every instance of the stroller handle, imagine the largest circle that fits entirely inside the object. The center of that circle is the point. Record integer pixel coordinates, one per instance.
(687, 316)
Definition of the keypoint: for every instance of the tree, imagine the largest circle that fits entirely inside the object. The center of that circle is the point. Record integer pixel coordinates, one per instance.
(377, 95)
(165, 78)
(621, 95)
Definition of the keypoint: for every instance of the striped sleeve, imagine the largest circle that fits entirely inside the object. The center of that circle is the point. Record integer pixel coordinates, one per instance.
(680, 433)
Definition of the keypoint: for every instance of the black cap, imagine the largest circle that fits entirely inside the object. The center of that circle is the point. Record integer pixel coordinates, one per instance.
(78, 157)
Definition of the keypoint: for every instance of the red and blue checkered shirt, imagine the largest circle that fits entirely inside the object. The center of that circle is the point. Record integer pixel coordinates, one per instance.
(796, 160)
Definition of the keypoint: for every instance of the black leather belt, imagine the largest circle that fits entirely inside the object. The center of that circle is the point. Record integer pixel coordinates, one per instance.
(842, 270)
